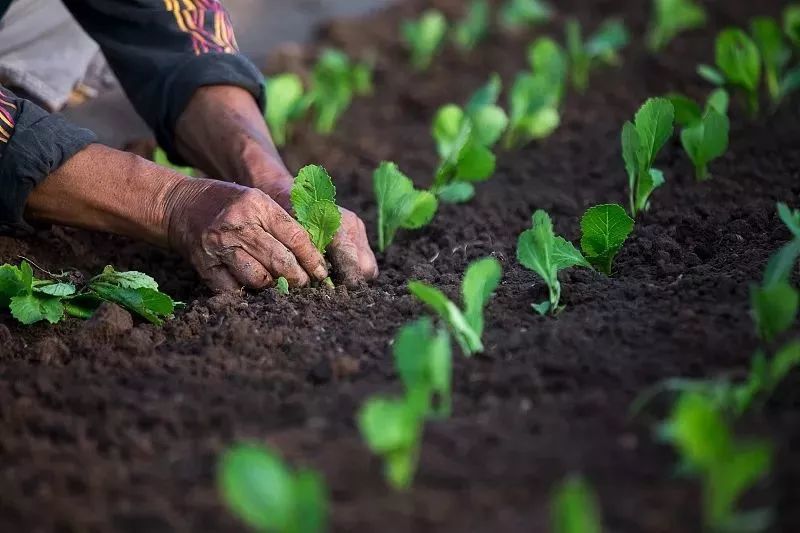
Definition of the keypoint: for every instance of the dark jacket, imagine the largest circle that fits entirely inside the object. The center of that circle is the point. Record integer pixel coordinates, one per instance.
(160, 50)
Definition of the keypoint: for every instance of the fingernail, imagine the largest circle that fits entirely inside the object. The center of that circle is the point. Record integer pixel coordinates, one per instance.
(320, 272)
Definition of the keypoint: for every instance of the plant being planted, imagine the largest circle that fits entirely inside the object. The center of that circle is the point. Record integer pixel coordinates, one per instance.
(423, 359)
(313, 200)
(541, 250)
(286, 103)
(480, 280)
(604, 229)
(335, 80)
(574, 508)
(516, 14)
(264, 492)
(400, 205)
(738, 65)
(474, 27)
(642, 139)
(424, 37)
(671, 17)
(464, 140)
(32, 300)
(602, 47)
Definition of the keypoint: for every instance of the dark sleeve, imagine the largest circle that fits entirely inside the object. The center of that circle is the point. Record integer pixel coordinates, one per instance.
(33, 143)
(163, 50)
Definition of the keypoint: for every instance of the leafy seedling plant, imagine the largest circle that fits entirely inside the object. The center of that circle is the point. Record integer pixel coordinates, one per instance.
(424, 37)
(536, 96)
(33, 300)
(575, 508)
(268, 495)
(282, 286)
(604, 229)
(480, 281)
(517, 14)
(541, 250)
(160, 158)
(335, 81)
(738, 65)
(474, 27)
(286, 104)
(603, 47)
(672, 17)
(464, 140)
(642, 139)
(400, 205)
(727, 467)
(705, 132)
(776, 53)
(313, 200)
(791, 24)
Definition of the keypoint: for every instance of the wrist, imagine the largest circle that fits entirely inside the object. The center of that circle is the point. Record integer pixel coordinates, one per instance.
(262, 168)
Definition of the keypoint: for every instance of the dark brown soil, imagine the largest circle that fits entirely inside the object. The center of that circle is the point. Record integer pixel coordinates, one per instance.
(104, 427)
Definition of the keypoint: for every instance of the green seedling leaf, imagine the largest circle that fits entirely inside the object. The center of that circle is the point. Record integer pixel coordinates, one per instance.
(150, 304)
(313, 199)
(705, 141)
(32, 308)
(774, 309)
(719, 101)
(711, 75)
(604, 230)
(474, 27)
(400, 205)
(539, 249)
(456, 193)
(160, 158)
(739, 60)
(515, 14)
(672, 17)
(424, 37)
(282, 286)
(547, 58)
(128, 280)
(423, 359)
(790, 217)
(687, 111)
(782, 263)
(791, 23)
(641, 142)
(480, 280)
(265, 494)
(533, 103)
(485, 96)
(11, 284)
(602, 47)
(574, 508)
(775, 52)
(393, 429)
(60, 290)
(335, 80)
(285, 104)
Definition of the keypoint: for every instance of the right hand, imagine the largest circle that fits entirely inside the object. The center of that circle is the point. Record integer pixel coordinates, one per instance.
(237, 236)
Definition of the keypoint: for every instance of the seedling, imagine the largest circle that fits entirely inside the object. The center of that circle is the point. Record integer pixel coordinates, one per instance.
(516, 14)
(480, 280)
(393, 429)
(540, 250)
(689, 113)
(313, 199)
(575, 508)
(286, 103)
(423, 359)
(400, 205)
(728, 467)
(671, 17)
(282, 286)
(738, 65)
(782, 263)
(705, 141)
(602, 47)
(641, 142)
(474, 27)
(335, 80)
(160, 158)
(32, 300)
(424, 37)
(790, 217)
(464, 138)
(605, 228)
(267, 495)
(791, 23)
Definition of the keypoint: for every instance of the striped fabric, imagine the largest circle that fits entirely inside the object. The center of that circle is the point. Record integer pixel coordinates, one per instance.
(206, 22)
(8, 110)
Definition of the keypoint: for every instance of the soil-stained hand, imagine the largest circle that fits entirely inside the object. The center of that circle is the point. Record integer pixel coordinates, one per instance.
(350, 253)
(237, 236)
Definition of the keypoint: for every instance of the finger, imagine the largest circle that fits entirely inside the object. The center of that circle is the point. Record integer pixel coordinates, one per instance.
(277, 259)
(367, 264)
(219, 279)
(344, 256)
(291, 234)
(246, 269)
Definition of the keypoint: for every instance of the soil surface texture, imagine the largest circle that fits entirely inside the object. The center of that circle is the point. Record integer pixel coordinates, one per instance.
(114, 425)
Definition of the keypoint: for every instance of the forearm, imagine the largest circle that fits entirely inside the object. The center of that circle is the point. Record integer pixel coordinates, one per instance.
(222, 132)
(103, 189)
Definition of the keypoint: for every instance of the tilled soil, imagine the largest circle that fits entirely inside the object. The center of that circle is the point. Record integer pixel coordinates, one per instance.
(106, 426)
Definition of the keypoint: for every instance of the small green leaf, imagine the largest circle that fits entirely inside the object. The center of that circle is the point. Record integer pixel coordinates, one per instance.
(719, 101)
(782, 263)
(565, 255)
(775, 52)
(474, 27)
(711, 75)
(480, 281)
(60, 290)
(282, 286)
(423, 208)
(30, 308)
(672, 17)
(129, 280)
(609, 38)
(468, 339)
(706, 140)
(687, 111)
(486, 95)
(790, 217)
(488, 124)
(456, 192)
(313, 199)
(424, 37)
(575, 508)
(476, 163)
(285, 102)
(604, 230)
(399, 204)
(322, 222)
(11, 283)
(447, 129)
(518, 13)
(774, 309)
